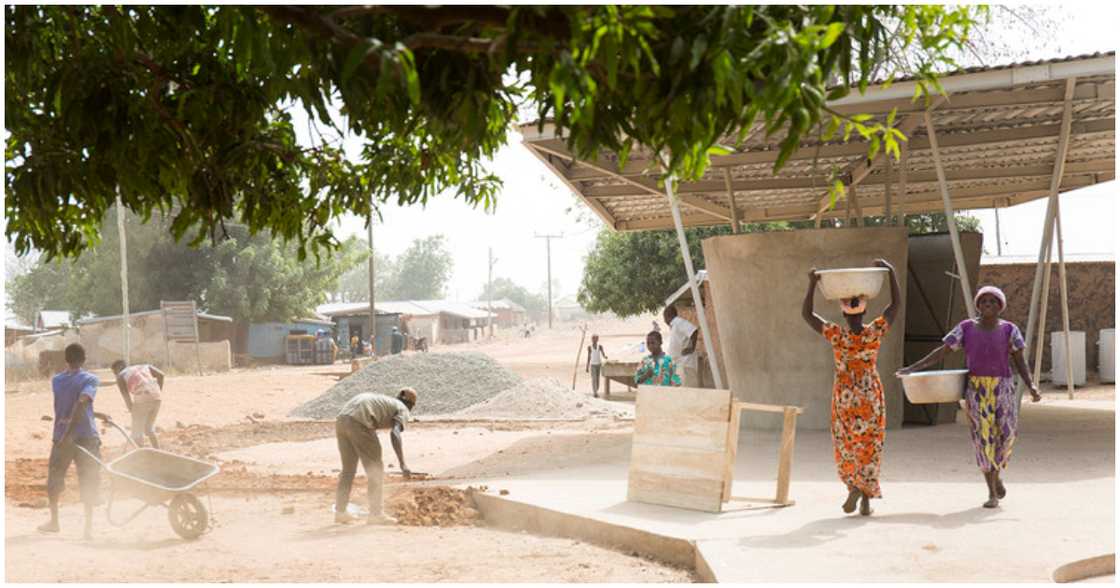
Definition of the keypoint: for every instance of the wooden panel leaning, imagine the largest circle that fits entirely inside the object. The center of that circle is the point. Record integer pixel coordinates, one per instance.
(684, 446)
(679, 447)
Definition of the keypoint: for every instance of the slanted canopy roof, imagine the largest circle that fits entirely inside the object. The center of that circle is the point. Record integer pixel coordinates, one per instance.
(998, 133)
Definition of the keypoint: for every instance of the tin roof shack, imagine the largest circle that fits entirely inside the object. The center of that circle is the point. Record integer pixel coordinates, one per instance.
(507, 313)
(101, 336)
(266, 340)
(458, 321)
(13, 331)
(352, 319)
(416, 320)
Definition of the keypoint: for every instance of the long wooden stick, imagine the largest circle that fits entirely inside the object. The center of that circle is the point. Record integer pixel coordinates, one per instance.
(579, 352)
(950, 219)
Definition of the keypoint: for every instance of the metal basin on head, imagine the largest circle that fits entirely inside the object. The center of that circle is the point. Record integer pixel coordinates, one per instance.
(934, 387)
(838, 284)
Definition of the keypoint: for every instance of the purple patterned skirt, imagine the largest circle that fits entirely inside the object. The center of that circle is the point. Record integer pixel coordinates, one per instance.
(994, 416)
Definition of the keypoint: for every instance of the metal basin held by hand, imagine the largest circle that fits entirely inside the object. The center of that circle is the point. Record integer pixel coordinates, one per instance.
(935, 387)
(838, 284)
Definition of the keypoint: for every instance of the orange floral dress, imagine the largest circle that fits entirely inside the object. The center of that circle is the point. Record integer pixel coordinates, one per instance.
(859, 421)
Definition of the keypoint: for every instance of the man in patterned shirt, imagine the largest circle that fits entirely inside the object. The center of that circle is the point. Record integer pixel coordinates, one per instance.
(657, 368)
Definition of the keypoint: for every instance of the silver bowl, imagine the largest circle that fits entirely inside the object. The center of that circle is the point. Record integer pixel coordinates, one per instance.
(934, 387)
(839, 284)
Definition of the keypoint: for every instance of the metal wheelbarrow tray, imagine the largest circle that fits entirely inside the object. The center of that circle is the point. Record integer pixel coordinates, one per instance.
(159, 478)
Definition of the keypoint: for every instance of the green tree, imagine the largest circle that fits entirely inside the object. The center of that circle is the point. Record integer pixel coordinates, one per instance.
(633, 273)
(507, 288)
(353, 286)
(187, 108)
(422, 271)
(250, 278)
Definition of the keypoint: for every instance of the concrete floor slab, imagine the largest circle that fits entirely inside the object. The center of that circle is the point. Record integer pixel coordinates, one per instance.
(929, 526)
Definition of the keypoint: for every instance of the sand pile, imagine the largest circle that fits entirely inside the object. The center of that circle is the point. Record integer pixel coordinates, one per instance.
(433, 506)
(543, 398)
(445, 382)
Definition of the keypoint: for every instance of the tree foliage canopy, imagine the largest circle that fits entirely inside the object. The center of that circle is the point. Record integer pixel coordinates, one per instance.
(186, 109)
(507, 288)
(421, 272)
(250, 278)
(633, 273)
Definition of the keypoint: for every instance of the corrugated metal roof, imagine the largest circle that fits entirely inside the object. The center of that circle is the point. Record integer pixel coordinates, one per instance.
(201, 315)
(997, 134)
(54, 318)
(502, 304)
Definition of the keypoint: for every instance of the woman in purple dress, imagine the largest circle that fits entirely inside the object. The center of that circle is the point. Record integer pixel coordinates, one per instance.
(990, 346)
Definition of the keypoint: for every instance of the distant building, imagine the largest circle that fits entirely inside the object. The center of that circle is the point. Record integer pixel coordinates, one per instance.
(267, 340)
(102, 338)
(49, 320)
(14, 330)
(439, 321)
(507, 313)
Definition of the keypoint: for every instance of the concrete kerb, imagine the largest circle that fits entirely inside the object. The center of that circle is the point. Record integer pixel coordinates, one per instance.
(513, 515)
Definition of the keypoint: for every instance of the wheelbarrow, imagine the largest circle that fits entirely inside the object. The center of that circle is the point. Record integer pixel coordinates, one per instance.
(158, 478)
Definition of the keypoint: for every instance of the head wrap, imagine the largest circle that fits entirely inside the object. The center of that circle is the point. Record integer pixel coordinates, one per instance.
(847, 308)
(994, 292)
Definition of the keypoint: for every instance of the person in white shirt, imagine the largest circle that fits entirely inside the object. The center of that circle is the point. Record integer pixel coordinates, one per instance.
(595, 357)
(682, 346)
(140, 386)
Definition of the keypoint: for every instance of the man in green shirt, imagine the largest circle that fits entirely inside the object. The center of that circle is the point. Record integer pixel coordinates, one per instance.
(356, 429)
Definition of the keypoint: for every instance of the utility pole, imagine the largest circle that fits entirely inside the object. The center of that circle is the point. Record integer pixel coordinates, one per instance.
(372, 312)
(548, 249)
(124, 281)
(490, 289)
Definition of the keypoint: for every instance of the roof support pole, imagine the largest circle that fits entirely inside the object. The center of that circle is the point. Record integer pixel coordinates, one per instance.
(704, 330)
(125, 326)
(888, 214)
(966, 286)
(1063, 289)
(731, 200)
(902, 173)
(1045, 267)
(1051, 211)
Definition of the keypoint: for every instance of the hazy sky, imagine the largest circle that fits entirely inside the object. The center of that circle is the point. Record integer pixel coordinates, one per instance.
(532, 202)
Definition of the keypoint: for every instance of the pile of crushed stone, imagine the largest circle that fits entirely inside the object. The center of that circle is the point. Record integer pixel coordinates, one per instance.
(444, 382)
(433, 506)
(543, 398)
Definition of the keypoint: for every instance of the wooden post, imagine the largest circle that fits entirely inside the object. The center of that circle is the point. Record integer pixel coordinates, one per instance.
(126, 325)
(731, 200)
(1051, 207)
(1042, 318)
(732, 448)
(855, 203)
(966, 286)
(902, 185)
(785, 457)
(1062, 288)
(687, 255)
(888, 214)
(579, 352)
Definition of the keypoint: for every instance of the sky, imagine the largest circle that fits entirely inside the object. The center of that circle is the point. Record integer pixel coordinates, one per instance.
(532, 202)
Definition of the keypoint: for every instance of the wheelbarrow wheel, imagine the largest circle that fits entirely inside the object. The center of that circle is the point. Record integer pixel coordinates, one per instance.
(188, 516)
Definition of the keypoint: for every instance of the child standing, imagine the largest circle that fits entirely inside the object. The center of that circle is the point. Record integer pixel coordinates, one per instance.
(657, 368)
(990, 346)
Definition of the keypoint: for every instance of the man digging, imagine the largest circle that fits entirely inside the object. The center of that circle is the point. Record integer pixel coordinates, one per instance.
(356, 429)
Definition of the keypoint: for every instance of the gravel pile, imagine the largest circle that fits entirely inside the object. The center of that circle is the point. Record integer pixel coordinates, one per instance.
(543, 398)
(444, 382)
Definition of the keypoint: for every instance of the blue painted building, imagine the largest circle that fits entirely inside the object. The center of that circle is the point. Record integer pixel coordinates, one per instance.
(266, 340)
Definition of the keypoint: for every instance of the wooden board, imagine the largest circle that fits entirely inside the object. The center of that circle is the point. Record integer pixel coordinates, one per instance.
(679, 447)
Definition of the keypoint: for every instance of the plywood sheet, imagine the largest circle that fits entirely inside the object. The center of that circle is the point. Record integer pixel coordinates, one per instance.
(679, 447)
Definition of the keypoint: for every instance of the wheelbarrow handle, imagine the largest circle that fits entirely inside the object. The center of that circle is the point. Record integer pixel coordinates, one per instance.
(109, 421)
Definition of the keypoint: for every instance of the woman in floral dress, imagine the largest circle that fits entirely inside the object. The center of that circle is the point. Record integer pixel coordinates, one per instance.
(859, 418)
(990, 346)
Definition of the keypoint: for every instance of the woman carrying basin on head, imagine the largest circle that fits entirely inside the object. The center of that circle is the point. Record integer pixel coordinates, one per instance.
(990, 346)
(859, 418)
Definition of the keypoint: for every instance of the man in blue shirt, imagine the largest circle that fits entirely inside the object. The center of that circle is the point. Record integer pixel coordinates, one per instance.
(74, 390)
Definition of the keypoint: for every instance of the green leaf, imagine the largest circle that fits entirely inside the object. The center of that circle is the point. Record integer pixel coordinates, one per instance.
(831, 34)
(699, 46)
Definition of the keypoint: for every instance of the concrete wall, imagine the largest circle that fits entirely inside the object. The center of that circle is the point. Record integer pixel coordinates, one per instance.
(102, 341)
(1092, 302)
(758, 282)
